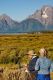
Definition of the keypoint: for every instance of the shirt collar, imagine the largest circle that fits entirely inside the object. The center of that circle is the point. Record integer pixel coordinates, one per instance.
(34, 57)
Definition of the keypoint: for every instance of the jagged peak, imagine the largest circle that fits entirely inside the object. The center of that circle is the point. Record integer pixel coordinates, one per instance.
(47, 7)
(5, 16)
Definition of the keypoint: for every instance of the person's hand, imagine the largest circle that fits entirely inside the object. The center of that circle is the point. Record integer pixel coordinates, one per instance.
(26, 70)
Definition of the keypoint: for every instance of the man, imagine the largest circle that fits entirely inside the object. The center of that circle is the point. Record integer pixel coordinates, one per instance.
(32, 62)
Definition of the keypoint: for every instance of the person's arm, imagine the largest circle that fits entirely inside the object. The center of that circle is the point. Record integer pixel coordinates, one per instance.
(37, 66)
(51, 68)
(51, 71)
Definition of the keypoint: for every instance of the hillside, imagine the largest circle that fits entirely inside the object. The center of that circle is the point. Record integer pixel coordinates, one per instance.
(44, 15)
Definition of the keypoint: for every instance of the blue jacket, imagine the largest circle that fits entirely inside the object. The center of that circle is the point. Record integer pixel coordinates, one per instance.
(51, 69)
(43, 65)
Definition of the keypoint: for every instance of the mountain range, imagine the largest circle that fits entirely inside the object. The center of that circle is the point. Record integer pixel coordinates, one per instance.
(41, 20)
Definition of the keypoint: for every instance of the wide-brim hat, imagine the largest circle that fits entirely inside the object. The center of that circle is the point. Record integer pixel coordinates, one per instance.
(32, 53)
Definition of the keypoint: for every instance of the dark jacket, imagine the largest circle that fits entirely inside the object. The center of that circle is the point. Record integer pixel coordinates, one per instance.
(31, 65)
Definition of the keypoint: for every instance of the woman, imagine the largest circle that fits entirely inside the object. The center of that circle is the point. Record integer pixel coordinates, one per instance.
(43, 65)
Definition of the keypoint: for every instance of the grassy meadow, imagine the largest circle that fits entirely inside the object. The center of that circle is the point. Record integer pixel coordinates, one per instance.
(13, 49)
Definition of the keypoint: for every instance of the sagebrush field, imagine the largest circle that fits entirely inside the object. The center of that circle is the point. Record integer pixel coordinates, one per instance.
(13, 48)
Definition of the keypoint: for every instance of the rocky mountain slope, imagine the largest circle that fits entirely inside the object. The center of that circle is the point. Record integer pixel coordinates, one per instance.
(7, 25)
(41, 20)
(44, 15)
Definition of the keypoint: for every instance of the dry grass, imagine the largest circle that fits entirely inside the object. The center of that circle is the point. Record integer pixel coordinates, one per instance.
(17, 75)
(12, 44)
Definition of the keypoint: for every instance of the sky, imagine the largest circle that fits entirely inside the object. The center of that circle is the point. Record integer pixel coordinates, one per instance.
(21, 9)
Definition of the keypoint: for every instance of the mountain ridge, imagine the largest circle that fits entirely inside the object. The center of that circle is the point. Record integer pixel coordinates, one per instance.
(45, 10)
(41, 20)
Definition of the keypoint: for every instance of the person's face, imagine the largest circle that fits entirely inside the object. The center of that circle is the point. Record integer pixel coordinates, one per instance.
(30, 56)
(42, 54)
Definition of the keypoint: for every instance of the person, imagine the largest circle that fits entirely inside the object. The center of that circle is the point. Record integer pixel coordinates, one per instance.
(51, 71)
(43, 65)
(32, 61)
